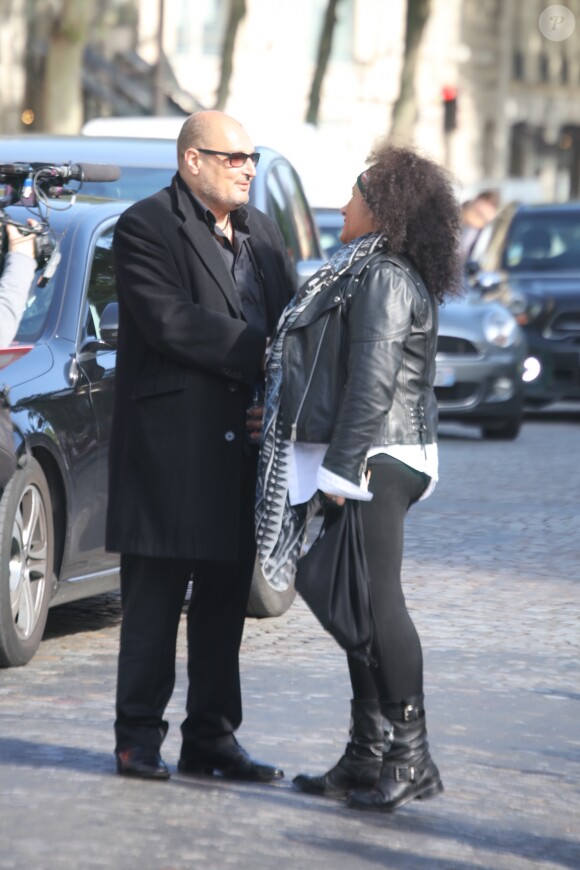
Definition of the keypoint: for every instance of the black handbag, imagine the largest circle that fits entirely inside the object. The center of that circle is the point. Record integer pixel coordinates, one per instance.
(332, 578)
(7, 452)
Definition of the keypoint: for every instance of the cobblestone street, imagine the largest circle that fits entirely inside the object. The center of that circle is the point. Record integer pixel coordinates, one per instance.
(492, 574)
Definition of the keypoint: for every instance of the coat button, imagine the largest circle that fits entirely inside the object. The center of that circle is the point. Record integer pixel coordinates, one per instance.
(233, 388)
(229, 436)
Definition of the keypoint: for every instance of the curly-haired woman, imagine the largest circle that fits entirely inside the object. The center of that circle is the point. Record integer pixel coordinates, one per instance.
(351, 412)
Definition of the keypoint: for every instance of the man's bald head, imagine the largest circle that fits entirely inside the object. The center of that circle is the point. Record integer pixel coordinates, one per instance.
(203, 145)
(204, 130)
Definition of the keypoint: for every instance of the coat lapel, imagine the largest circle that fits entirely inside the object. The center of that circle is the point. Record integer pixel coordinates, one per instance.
(197, 234)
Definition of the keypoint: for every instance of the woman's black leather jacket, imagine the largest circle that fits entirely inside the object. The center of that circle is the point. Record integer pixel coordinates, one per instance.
(359, 364)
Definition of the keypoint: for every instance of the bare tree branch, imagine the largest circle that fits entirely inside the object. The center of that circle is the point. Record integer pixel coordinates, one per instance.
(405, 107)
(323, 56)
(63, 95)
(236, 14)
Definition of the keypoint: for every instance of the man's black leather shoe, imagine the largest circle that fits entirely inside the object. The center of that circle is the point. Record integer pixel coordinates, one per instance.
(232, 762)
(142, 762)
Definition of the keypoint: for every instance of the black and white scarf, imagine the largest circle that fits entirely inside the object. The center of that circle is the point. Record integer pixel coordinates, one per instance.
(280, 526)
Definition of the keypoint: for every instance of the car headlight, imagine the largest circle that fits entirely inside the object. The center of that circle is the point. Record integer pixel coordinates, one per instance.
(524, 307)
(500, 328)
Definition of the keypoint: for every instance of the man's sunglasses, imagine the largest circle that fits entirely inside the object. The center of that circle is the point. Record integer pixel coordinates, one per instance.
(236, 159)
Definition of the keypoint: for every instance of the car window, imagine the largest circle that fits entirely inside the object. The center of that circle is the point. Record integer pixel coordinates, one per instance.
(330, 225)
(543, 241)
(330, 240)
(102, 287)
(305, 231)
(134, 183)
(277, 209)
(36, 311)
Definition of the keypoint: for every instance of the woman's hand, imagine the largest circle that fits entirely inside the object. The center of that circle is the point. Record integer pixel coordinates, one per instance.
(338, 500)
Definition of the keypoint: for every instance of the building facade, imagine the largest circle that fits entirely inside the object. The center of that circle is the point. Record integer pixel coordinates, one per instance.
(518, 87)
(513, 64)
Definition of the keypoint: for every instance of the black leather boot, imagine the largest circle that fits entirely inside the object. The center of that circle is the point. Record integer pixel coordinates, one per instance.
(407, 772)
(360, 765)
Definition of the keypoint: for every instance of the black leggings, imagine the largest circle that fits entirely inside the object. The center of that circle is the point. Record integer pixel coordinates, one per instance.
(396, 645)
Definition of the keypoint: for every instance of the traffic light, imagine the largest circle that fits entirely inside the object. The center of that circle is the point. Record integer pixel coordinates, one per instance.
(449, 109)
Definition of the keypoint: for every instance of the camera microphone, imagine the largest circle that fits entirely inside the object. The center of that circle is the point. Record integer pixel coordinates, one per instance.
(67, 171)
(88, 172)
(13, 170)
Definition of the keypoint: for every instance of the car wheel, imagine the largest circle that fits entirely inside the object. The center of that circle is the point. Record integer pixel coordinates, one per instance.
(266, 601)
(26, 557)
(503, 430)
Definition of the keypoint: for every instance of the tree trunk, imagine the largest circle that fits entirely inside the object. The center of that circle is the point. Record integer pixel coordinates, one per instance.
(324, 50)
(405, 108)
(236, 14)
(63, 86)
(12, 54)
(159, 99)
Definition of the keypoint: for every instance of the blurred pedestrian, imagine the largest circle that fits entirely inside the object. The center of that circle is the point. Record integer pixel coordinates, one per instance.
(202, 279)
(15, 281)
(350, 412)
(475, 215)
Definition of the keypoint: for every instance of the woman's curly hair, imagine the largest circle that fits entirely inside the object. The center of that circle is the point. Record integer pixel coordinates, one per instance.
(413, 202)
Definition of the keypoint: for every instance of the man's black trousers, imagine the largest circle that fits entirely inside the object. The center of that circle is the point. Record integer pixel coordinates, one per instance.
(153, 592)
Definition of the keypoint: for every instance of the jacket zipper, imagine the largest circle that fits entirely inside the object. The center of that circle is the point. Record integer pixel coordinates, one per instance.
(294, 426)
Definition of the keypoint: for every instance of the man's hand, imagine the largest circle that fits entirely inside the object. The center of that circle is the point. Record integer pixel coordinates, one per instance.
(254, 421)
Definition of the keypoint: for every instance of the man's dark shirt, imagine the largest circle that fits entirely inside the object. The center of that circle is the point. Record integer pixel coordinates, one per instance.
(240, 262)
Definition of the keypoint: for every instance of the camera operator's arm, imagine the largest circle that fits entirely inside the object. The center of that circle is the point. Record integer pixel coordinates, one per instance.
(19, 268)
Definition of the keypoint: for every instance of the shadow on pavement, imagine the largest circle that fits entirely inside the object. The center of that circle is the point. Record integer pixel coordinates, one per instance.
(26, 753)
(90, 614)
(416, 819)
(483, 839)
(554, 414)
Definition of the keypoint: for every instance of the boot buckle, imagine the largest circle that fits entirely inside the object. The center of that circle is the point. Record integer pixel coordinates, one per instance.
(410, 713)
(405, 774)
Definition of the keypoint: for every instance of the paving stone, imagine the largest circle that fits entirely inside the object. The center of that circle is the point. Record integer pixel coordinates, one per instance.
(492, 574)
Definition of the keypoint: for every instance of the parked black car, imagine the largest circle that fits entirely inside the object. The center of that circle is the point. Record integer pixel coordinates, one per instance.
(60, 371)
(147, 165)
(480, 355)
(529, 259)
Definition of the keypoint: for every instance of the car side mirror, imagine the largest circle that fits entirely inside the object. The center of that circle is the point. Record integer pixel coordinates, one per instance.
(489, 282)
(109, 324)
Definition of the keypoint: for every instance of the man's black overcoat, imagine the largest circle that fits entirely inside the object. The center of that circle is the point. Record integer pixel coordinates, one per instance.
(186, 361)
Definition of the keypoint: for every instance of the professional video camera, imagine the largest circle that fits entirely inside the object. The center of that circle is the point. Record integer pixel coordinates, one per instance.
(34, 185)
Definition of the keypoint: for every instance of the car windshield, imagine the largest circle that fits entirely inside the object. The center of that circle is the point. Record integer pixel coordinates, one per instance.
(136, 182)
(543, 241)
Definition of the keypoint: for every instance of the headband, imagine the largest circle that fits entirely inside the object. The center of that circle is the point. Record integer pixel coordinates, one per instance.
(362, 182)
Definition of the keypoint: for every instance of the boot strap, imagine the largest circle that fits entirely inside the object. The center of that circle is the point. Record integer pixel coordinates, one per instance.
(407, 713)
(400, 774)
(411, 713)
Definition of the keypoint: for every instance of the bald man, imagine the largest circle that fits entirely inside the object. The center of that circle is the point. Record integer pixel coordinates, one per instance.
(202, 278)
